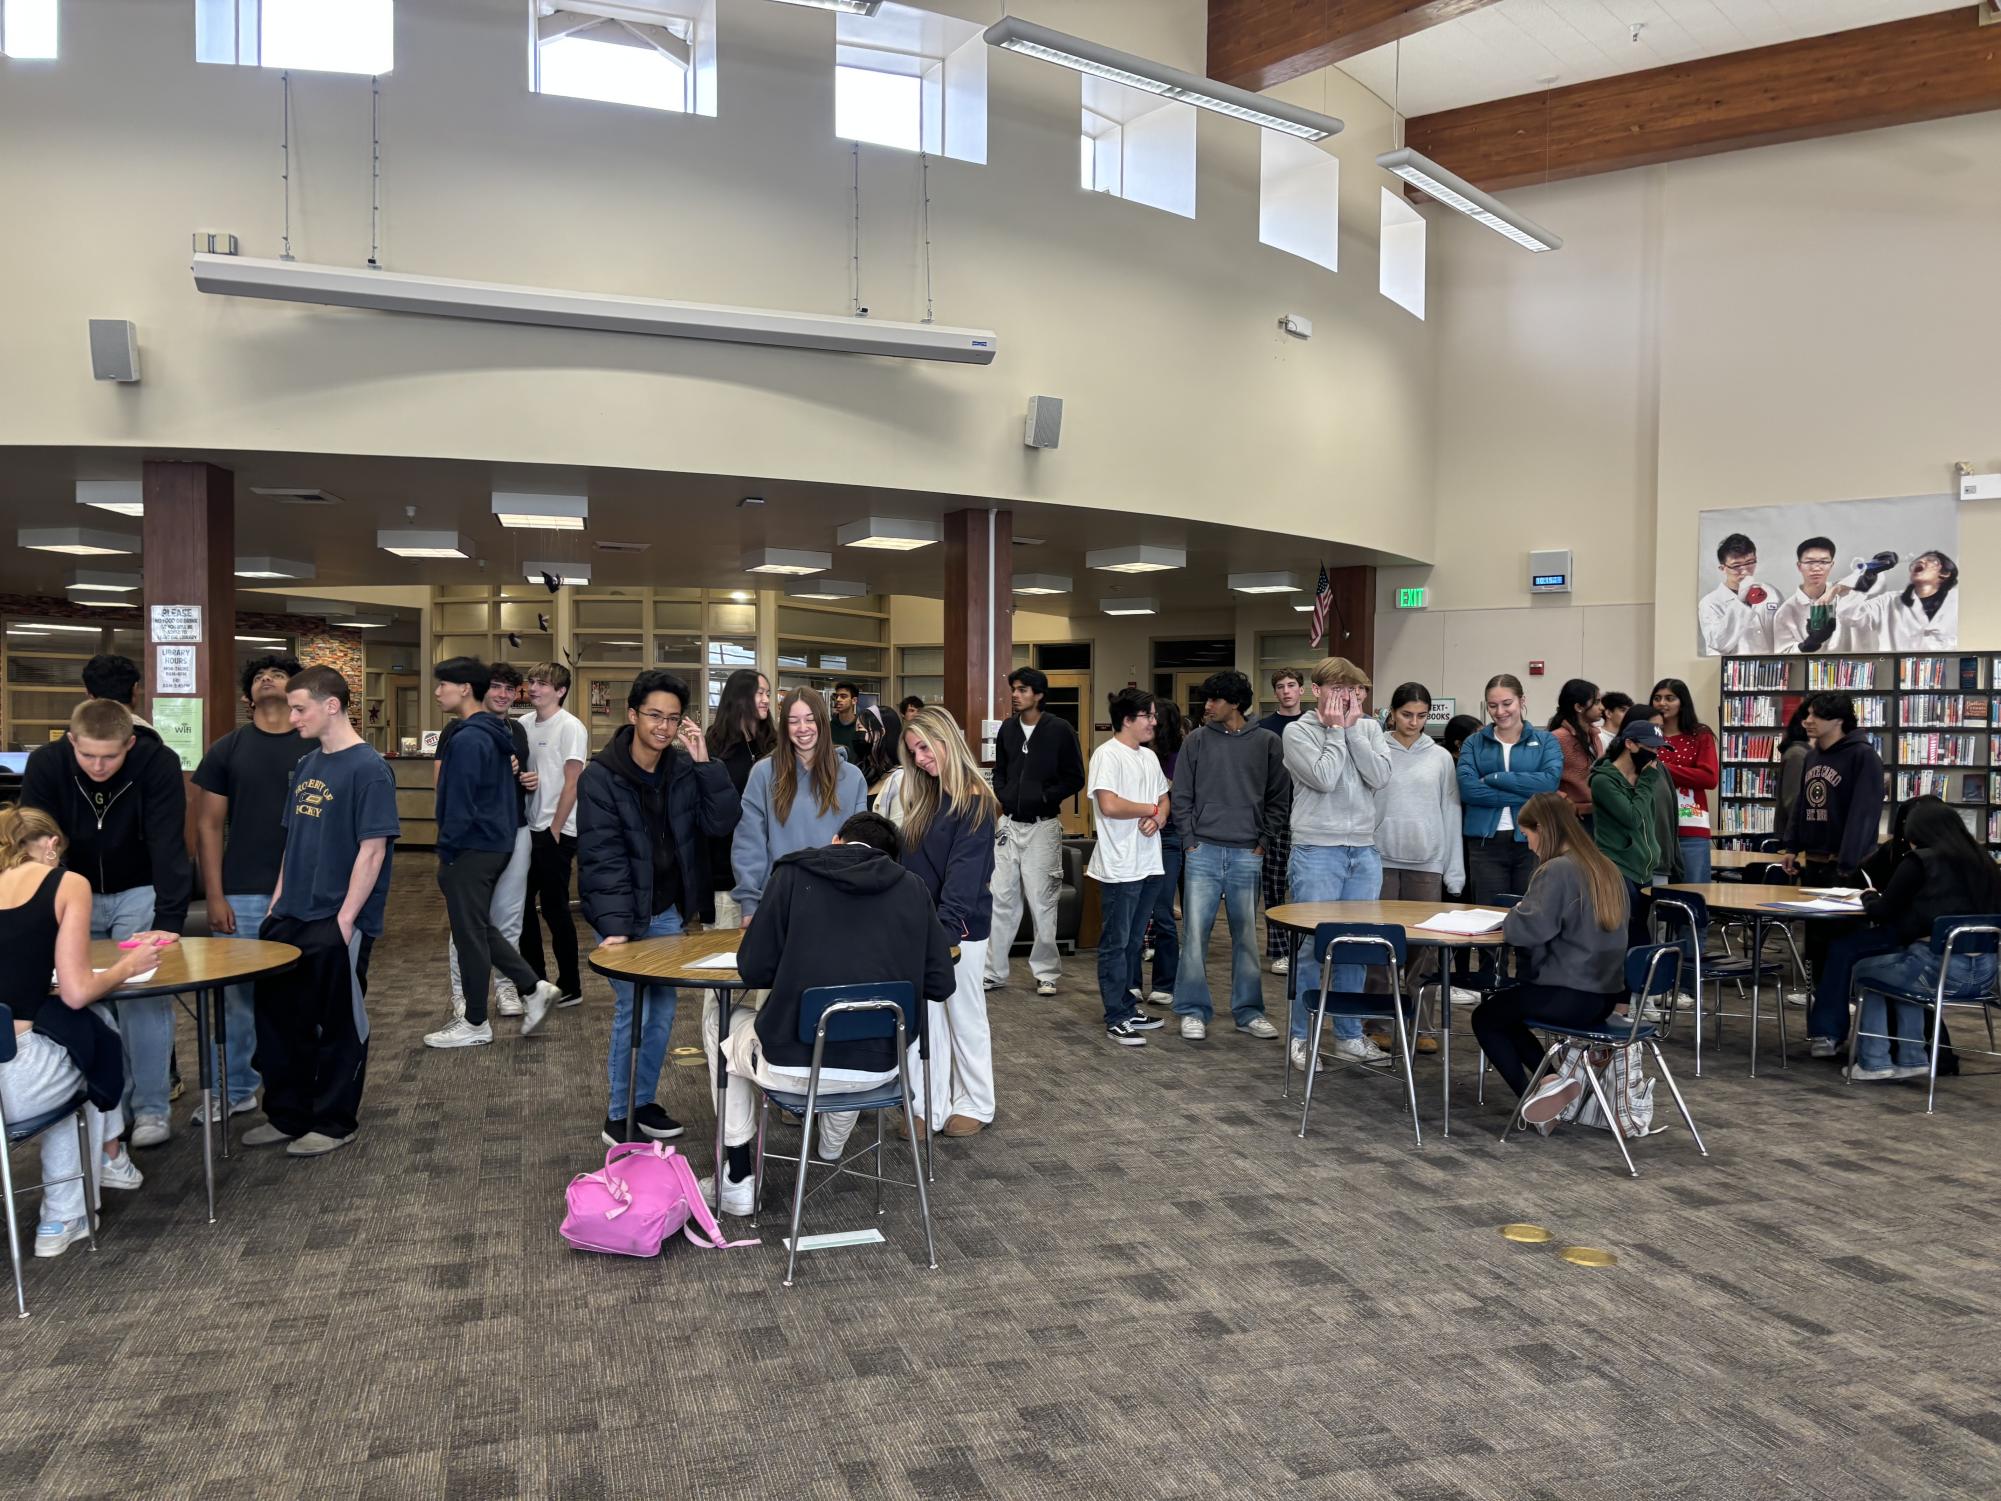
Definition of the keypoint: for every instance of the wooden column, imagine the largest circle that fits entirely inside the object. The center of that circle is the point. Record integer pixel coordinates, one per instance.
(1351, 624)
(190, 559)
(979, 617)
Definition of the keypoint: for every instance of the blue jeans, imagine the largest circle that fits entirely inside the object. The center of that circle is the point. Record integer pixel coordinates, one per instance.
(239, 1014)
(1125, 905)
(660, 1003)
(146, 1027)
(1827, 1015)
(1694, 860)
(1220, 876)
(1166, 936)
(1330, 873)
(1913, 970)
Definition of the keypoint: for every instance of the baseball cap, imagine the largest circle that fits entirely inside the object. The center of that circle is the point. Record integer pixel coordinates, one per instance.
(1643, 733)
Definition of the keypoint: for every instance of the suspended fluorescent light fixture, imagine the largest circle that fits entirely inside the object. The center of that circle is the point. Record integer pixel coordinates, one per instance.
(562, 573)
(824, 588)
(1456, 193)
(847, 7)
(786, 560)
(357, 621)
(889, 533)
(1041, 583)
(43, 627)
(122, 497)
(98, 581)
(1265, 583)
(1101, 61)
(1305, 609)
(553, 513)
(98, 601)
(78, 541)
(1141, 558)
(412, 544)
(1138, 604)
(273, 568)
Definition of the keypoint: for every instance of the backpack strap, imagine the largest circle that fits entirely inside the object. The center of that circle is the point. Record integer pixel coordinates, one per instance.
(620, 1191)
(700, 1216)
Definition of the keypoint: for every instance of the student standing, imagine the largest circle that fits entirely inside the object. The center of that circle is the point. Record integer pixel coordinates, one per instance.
(647, 806)
(1130, 791)
(479, 816)
(1835, 828)
(1503, 765)
(1231, 795)
(796, 798)
(1419, 824)
(510, 892)
(1575, 726)
(740, 735)
(122, 806)
(61, 1044)
(558, 747)
(1616, 706)
(312, 1027)
(1794, 747)
(1570, 931)
(909, 707)
(949, 814)
(1339, 767)
(244, 779)
(1624, 827)
(1665, 807)
(1691, 763)
(1288, 686)
(845, 729)
(108, 675)
(1169, 731)
(1038, 767)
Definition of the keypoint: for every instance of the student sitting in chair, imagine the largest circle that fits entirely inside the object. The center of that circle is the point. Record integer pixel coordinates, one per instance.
(839, 914)
(1570, 930)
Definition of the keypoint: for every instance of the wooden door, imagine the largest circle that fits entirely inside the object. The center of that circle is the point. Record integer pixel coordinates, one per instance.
(1188, 694)
(1068, 699)
(404, 710)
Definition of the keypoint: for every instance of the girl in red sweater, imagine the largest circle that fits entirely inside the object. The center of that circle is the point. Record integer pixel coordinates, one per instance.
(1575, 725)
(1690, 761)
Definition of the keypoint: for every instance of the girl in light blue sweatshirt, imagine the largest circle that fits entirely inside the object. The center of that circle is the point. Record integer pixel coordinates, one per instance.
(797, 797)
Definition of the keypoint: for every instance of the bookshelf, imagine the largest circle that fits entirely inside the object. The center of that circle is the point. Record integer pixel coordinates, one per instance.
(1932, 718)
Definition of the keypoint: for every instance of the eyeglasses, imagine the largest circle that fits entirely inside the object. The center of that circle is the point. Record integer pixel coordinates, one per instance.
(654, 716)
(1742, 565)
(1814, 562)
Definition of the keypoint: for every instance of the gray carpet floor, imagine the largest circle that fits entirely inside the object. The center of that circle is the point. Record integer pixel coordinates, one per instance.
(1148, 1287)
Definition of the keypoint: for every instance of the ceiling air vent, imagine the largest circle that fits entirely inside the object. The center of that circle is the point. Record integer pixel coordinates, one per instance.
(621, 546)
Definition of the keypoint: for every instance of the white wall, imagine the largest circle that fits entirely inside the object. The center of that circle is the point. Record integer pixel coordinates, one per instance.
(1183, 398)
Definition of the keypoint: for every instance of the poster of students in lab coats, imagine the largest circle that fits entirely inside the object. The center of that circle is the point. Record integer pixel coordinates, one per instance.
(1835, 577)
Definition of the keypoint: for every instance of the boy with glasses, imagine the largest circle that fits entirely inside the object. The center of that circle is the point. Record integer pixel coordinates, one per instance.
(1736, 616)
(1807, 622)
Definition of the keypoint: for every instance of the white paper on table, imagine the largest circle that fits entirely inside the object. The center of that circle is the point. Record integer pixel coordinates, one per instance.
(1477, 920)
(1821, 904)
(716, 961)
(1838, 893)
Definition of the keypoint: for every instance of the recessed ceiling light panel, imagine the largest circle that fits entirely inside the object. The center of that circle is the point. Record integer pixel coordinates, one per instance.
(555, 513)
(78, 541)
(121, 497)
(1041, 583)
(1134, 604)
(414, 544)
(825, 588)
(1138, 558)
(273, 568)
(101, 581)
(563, 573)
(889, 533)
(1265, 583)
(786, 560)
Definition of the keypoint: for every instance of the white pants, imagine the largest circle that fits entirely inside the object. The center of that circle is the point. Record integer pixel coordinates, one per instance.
(510, 900)
(1028, 858)
(748, 1066)
(962, 1045)
(40, 1078)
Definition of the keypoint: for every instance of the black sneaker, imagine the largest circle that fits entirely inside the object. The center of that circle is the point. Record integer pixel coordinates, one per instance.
(656, 1123)
(570, 998)
(614, 1132)
(1139, 1021)
(1125, 1033)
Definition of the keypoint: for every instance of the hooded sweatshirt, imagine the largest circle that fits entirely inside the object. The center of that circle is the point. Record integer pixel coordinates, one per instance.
(1418, 816)
(1337, 777)
(479, 800)
(841, 914)
(1231, 789)
(122, 832)
(761, 839)
(1624, 826)
(1840, 803)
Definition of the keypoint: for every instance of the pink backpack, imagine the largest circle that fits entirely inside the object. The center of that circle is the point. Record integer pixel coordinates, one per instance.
(644, 1193)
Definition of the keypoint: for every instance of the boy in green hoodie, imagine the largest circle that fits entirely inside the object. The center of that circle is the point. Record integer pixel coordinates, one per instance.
(1624, 825)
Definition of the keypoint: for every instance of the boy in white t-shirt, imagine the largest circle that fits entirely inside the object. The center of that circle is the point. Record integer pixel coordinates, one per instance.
(1130, 791)
(558, 747)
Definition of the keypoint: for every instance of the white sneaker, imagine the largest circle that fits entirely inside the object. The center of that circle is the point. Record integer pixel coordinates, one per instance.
(119, 1172)
(1160, 998)
(460, 1034)
(1045, 987)
(1357, 1050)
(53, 1237)
(737, 1197)
(1855, 1073)
(1799, 1000)
(540, 1000)
(506, 999)
(1193, 1029)
(150, 1131)
(1301, 1053)
(241, 1107)
(1259, 1026)
(1280, 965)
(1823, 1047)
(1461, 996)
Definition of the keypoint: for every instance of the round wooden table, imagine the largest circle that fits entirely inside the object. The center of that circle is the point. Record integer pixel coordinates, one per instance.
(204, 968)
(647, 962)
(1742, 859)
(1301, 918)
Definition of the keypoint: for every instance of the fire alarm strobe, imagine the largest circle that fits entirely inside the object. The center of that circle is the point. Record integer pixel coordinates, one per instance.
(1535, 669)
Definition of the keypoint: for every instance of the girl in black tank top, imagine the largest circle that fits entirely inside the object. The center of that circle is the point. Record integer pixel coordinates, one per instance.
(28, 939)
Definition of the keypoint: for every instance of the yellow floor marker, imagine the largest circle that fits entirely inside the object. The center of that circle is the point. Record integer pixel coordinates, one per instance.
(1587, 1256)
(1533, 1235)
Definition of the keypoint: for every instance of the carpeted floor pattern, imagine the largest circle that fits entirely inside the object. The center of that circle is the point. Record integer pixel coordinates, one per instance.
(1148, 1287)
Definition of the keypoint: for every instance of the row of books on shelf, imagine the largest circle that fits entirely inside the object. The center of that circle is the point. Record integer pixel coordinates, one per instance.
(1943, 709)
(1938, 748)
(1953, 786)
(1771, 710)
(1758, 748)
(1754, 674)
(1743, 781)
(1746, 818)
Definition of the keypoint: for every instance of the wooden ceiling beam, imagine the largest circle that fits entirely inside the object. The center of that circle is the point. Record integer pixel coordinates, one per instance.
(1256, 44)
(1926, 68)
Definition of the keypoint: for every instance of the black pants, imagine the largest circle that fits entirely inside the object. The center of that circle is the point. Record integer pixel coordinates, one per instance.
(549, 893)
(312, 1048)
(1501, 1023)
(1496, 865)
(468, 884)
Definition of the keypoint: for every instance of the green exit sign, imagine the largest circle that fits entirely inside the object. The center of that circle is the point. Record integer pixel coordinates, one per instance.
(1410, 599)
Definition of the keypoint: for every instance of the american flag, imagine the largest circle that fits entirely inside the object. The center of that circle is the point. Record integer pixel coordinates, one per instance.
(1323, 605)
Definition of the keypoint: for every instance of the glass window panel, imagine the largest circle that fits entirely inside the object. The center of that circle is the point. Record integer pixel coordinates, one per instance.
(128, 641)
(1064, 656)
(884, 108)
(462, 646)
(930, 689)
(681, 650)
(466, 617)
(733, 619)
(927, 659)
(677, 615)
(524, 617)
(840, 659)
(730, 655)
(532, 649)
(579, 67)
(611, 648)
(1286, 650)
(830, 624)
(337, 36)
(610, 614)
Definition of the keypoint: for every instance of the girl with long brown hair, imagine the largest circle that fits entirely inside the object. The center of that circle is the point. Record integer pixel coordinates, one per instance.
(949, 814)
(796, 798)
(1570, 930)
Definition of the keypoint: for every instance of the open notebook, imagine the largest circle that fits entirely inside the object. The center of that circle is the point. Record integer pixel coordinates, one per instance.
(1474, 921)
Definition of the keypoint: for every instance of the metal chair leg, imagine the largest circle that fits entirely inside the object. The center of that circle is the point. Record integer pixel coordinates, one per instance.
(1931, 1079)
(83, 1162)
(1680, 1104)
(757, 1163)
(1611, 1119)
(799, 1181)
(917, 1167)
(878, 1162)
(1312, 1060)
(13, 1227)
(1409, 1078)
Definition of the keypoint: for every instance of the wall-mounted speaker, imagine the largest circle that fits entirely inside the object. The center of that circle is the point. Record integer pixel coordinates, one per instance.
(1045, 422)
(114, 349)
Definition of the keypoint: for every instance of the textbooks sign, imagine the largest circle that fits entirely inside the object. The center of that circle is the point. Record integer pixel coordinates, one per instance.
(1840, 577)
